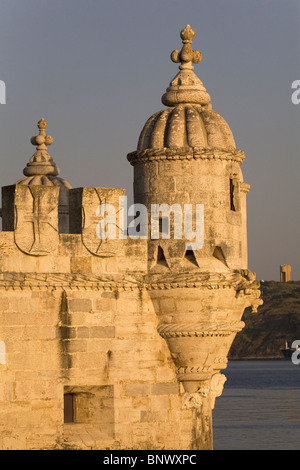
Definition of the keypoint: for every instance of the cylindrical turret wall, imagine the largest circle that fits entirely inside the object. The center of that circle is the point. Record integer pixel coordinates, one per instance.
(209, 177)
(187, 173)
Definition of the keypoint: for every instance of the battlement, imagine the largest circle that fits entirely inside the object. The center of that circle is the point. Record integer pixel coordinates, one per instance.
(32, 232)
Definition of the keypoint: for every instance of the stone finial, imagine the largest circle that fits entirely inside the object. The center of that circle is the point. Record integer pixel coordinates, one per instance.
(41, 163)
(41, 170)
(186, 55)
(186, 87)
(42, 139)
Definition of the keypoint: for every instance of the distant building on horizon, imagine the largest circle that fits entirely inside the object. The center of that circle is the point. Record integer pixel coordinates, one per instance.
(285, 272)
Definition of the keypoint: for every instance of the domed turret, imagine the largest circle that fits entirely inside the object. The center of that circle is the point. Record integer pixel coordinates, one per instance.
(187, 159)
(186, 154)
(190, 120)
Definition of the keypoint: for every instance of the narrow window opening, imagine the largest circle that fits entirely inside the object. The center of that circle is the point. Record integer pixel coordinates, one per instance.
(232, 205)
(69, 405)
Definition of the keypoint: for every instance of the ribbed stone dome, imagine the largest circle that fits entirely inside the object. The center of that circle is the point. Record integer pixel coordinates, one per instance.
(186, 125)
(190, 120)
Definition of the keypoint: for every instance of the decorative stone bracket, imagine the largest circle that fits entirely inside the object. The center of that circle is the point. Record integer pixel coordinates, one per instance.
(249, 288)
(209, 390)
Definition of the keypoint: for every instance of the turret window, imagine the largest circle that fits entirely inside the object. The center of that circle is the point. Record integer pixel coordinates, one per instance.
(234, 192)
(69, 406)
(232, 206)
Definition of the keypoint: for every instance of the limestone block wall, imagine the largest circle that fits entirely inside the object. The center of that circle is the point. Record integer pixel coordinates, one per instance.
(80, 328)
(92, 344)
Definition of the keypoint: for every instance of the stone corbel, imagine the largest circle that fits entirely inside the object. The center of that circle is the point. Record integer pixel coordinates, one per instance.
(244, 187)
(195, 399)
(249, 288)
(209, 390)
(216, 385)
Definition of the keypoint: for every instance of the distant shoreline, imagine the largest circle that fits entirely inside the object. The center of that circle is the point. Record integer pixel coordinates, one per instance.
(275, 358)
(274, 327)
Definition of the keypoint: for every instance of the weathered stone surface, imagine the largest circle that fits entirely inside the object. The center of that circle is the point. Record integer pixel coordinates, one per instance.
(118, 343)
(36, 219)
(88, 207)
(164, 388)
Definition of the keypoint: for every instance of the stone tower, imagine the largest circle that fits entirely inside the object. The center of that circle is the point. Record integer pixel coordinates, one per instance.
(117, 342)
(186, 156)
(285, 272)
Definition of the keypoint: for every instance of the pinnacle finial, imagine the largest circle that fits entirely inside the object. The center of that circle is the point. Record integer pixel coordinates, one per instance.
(186, 56)
(186, 87)
(41, 163)
(42, 140)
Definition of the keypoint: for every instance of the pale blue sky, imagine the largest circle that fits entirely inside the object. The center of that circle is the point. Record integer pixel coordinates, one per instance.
(96, 70)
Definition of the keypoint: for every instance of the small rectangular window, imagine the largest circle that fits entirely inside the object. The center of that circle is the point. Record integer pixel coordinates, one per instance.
(90, 406)
(69, 408)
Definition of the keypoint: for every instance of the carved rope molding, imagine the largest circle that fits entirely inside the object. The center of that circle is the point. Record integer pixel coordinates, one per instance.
(243, 286)
(193, 370)
(185, 153)
(202, 329)
(10, 280)
(202, 368)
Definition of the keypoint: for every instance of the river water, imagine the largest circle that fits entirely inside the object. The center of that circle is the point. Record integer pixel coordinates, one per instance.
(259, 408)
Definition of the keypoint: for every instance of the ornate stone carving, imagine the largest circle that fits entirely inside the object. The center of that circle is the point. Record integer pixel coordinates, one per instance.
(216, 385)
(41, 170)
(208, 390)
(96, 206)
(195, 399)
(186, 87)
(41, 163)
(249, 288)
(36, 219)
(187, 55)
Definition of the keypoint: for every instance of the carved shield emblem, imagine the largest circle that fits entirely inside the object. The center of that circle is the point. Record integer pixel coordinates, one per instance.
(102, 215)
(36, 219)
